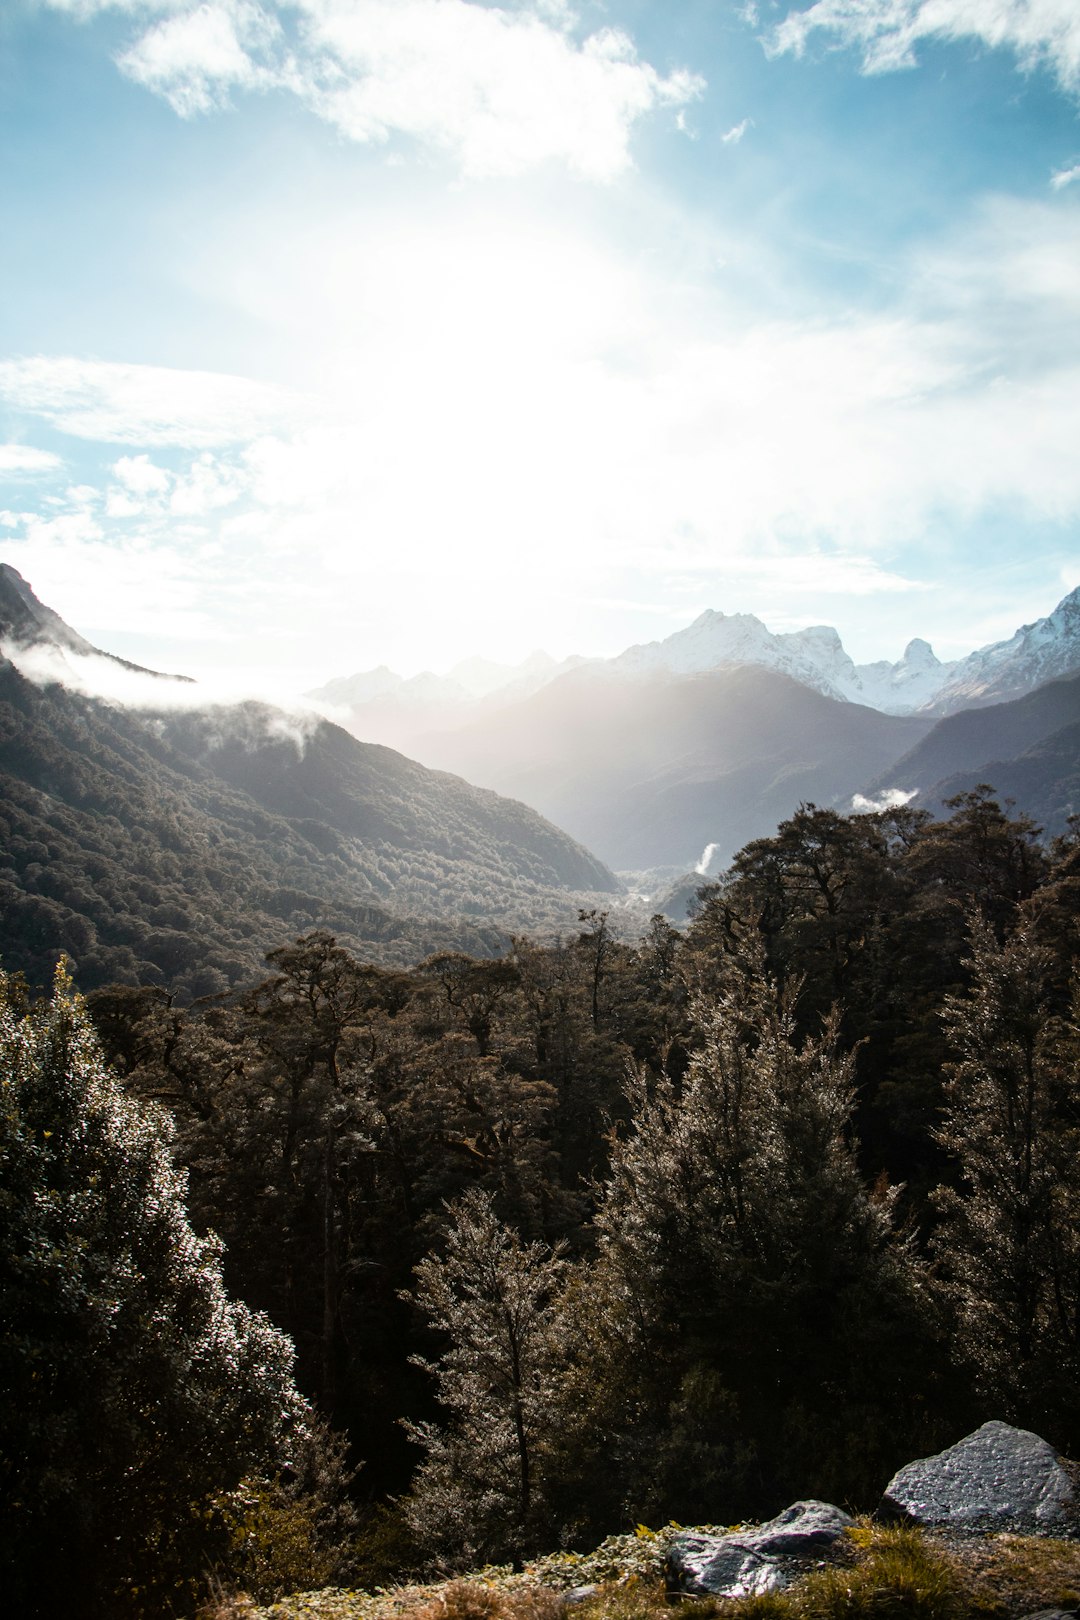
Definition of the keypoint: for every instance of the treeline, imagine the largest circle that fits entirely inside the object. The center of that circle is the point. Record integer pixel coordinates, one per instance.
(596, 1232)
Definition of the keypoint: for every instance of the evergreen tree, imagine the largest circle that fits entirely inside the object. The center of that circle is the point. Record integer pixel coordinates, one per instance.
(479, 1494)
(134, 1391)
(760, 1317)
(1009, 1241)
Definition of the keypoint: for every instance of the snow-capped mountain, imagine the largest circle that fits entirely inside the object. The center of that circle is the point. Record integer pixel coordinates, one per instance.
(1043, 651)
(384, 706)
(815, 657)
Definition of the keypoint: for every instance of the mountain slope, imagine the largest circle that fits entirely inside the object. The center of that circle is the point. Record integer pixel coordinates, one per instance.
(1023, 748)
(1044, 651)
(649, 771)
(177, 846)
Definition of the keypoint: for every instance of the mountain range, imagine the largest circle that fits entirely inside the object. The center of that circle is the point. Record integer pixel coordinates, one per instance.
(918, 683)
(712, 736)
(170, 839)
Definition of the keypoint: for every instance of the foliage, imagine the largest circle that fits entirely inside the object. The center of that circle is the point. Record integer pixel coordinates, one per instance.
(1009, 1240)
(479, 1491)
(745, 1272)
(162, 849)
(884, 1572)
(295, 1529)
(134, 1388)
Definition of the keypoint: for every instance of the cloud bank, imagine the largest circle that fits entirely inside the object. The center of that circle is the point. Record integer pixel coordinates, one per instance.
(497, 89)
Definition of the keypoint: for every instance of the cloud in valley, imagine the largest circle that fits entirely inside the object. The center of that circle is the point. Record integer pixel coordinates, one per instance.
(232, 713)
(891, 799)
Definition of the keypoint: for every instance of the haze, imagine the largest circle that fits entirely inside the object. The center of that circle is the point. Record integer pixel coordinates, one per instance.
(347, 332)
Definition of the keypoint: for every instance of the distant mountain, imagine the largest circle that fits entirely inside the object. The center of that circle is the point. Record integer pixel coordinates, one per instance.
(1026, 749)
(815, 657)
(177, 846)
(382, 707)
(1039, 652)
(649, 771)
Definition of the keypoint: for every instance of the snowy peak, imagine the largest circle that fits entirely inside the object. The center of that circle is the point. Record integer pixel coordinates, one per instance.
(815, 657)
(716, 638)
(1039, 652)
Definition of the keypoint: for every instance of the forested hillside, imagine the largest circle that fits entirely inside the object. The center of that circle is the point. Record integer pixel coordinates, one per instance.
(163, 848)
(679, 1230)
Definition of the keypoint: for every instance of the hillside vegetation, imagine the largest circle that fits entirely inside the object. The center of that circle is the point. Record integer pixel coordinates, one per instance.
(162, 848)
(590, 1235)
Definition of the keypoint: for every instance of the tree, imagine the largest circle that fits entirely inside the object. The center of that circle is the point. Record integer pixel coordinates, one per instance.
(134, 1390)
(479, 1493)
(760, 1314)
(1009, 1241)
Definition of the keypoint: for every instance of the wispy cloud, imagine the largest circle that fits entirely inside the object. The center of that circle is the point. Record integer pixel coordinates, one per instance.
(1039, 32)
(23, 460)
(498, 89)
(736, 132)
(195, 57)
(145, 405)
(230, 713)
(1065, 177)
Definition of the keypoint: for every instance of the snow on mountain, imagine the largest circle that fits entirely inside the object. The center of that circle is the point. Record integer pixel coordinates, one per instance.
(814, 656)
(919, 683)
(905, 687)
(1039, 652)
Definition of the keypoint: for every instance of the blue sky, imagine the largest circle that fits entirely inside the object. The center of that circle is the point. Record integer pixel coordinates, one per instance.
(342, 332)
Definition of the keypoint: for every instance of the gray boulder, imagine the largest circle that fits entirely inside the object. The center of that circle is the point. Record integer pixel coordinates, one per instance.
(764, 1558)
(998, 1478)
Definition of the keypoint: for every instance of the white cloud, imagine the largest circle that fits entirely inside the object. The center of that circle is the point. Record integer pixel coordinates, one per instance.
(154, 405)
(736, 132)
(196, 56)
(507, 410)
(499, 89)
(891, 799)
(1065, 177)
(22, 460)
(208, 485)
(140, 475)
(1039, 32)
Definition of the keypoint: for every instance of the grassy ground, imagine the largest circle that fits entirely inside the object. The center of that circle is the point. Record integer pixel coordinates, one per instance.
(881, 1574)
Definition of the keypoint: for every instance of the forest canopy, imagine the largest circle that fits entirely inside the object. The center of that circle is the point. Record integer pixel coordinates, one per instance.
(583, 1235)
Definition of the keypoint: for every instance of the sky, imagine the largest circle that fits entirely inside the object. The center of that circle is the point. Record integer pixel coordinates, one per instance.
(336, 333)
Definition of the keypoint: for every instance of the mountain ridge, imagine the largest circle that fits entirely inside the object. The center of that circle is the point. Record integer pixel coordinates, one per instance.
(166, 845)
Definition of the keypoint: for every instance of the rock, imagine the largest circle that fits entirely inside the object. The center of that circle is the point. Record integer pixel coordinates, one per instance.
(998, 1478)
(764, 1558)
(577, 1594)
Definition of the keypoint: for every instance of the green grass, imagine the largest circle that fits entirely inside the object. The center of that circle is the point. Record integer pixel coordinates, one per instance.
(882, 1573)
